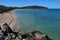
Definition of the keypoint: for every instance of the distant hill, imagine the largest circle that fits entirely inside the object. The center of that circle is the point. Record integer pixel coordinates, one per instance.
(6, 9)
(33, 7)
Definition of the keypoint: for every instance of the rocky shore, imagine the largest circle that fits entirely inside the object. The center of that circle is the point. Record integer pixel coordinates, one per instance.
(34, 35)
(9, 31)
(8, 28)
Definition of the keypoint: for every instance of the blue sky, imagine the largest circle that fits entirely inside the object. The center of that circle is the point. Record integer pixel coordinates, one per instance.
(47, 3)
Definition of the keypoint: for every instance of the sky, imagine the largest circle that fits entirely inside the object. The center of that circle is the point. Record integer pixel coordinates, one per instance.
(19, 3)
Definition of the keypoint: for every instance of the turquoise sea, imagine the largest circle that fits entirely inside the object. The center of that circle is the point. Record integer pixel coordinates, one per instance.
(44, 20)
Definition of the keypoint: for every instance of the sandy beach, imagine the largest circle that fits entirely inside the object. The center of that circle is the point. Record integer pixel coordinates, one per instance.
(8, 18)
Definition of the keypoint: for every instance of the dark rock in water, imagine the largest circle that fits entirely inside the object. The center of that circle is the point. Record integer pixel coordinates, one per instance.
(37, 35)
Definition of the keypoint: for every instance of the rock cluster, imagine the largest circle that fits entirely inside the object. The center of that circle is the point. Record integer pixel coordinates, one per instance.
(34, 35)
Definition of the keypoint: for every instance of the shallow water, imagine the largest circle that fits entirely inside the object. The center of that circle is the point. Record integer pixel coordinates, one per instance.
(44, 20)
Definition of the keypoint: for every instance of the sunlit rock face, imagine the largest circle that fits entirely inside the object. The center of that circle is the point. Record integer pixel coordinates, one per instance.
(8, 18)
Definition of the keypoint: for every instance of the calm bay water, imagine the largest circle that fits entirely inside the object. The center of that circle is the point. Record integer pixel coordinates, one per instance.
(46, 21)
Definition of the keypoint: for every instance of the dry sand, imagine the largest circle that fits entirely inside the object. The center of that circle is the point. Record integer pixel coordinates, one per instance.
(10, 19)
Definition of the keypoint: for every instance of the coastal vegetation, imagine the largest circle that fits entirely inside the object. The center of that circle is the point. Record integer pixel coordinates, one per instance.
(6, 9)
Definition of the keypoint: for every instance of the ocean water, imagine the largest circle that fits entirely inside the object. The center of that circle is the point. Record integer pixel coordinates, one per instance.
(44, 20)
